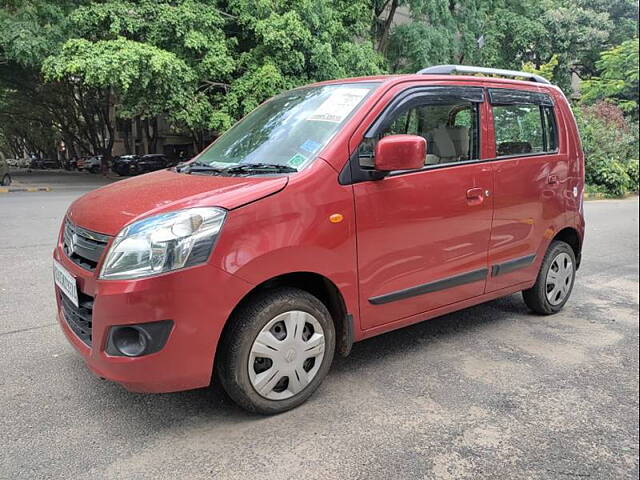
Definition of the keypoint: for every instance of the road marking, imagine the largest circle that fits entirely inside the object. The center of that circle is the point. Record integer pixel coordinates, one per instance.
(24, 189)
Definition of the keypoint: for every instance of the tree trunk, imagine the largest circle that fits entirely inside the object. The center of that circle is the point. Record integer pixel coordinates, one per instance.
(383, 42)
(151, 134)
(109, 124)
(126, 131)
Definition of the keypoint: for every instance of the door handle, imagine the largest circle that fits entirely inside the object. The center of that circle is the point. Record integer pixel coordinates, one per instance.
(475, 193)
(475, 196)
(552, 180)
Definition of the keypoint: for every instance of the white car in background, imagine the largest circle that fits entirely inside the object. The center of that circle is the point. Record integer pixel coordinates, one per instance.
(93, 164)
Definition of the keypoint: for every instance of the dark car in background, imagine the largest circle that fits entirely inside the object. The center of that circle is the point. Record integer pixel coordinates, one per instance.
(43, 163)
(125, 164)
(70, 163)
(154, 161)
(136, 164)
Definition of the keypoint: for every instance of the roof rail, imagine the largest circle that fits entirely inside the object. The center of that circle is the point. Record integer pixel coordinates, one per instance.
(452, 69)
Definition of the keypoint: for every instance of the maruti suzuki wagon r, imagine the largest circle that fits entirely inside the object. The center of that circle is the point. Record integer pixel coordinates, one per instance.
(331, 213)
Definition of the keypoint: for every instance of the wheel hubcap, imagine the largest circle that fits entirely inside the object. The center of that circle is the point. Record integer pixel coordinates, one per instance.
(286, 355)
(559, 279)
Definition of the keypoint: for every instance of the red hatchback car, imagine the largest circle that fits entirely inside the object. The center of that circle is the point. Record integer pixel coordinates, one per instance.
(332, 213)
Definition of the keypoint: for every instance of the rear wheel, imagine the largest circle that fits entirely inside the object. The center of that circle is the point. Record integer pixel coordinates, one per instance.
(555, 280)
(6, 180)
(278, 350)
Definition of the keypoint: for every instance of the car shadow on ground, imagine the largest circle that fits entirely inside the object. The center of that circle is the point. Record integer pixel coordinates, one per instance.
(212, 406)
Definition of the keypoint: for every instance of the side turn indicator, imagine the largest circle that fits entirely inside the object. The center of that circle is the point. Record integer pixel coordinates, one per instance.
(336, 218)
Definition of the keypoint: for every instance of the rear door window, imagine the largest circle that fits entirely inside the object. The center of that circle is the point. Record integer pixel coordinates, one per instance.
(523, 123)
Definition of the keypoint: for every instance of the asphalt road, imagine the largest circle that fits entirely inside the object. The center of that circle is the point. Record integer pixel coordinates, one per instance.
(59, 180)
(490, 392)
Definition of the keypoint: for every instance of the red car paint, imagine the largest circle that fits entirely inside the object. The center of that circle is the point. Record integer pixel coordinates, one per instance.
(397, 232)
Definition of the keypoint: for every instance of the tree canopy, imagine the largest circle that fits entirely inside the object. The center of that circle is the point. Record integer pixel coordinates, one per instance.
(66, 65)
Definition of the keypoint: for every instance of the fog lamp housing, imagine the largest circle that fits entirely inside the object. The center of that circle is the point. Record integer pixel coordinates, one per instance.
(139, 339)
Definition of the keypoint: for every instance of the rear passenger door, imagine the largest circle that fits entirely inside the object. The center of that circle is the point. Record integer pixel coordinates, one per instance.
(530, 175)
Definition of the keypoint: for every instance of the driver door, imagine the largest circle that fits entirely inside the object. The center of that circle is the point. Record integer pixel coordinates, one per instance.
(423, 235)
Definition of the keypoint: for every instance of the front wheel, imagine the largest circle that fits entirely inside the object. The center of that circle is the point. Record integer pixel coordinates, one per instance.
(555, 280)
(6, 180)
(277, 351)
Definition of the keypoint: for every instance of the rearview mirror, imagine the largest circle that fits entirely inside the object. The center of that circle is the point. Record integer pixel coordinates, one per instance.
(400, 152)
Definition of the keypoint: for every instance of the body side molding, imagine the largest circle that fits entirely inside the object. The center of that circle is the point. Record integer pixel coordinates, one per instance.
(511, 265)
(431, 287)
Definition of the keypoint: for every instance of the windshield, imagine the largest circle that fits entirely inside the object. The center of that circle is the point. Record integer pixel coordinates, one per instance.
(288, 130)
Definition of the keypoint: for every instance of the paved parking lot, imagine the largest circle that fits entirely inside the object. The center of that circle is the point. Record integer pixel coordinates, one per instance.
(489, 392)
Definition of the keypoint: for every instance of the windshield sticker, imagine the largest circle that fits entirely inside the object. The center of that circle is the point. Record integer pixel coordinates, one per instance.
(310, 146)
(339, 104)
(297, 160)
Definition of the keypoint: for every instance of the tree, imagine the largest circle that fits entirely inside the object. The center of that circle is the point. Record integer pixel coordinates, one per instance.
(204, 67)
(29, 33)
(501, 33)
(617, 79)
(81, 66)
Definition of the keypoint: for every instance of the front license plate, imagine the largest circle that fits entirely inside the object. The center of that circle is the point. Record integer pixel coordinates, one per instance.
(65, 282)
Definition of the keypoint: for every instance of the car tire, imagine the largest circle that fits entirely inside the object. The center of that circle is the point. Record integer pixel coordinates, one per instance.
(6, 180)
(555, 280)
(288, 320)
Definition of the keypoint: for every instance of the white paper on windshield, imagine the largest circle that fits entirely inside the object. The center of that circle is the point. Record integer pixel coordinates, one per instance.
(339, 105)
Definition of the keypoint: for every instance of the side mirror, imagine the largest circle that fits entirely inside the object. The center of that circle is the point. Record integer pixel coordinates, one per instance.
(400, 152)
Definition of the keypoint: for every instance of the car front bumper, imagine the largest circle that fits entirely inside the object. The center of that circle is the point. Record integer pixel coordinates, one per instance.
(198, 300)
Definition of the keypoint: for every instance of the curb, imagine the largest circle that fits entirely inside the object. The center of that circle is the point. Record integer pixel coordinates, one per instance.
(24, 189)
(594, 196)
(604, 196)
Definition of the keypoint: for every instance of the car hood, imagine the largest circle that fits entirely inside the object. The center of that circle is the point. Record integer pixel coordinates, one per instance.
(109, 208)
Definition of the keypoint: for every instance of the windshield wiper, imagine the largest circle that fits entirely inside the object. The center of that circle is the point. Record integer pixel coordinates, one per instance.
(198, 167)
(258, 167)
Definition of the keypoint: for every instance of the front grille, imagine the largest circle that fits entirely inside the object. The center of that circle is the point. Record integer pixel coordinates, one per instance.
(83, 246)
(79, 318)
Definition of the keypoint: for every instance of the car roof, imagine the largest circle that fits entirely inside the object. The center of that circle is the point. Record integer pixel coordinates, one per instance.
(391, 80)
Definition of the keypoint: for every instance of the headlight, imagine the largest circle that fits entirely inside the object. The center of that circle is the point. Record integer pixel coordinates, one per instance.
(164, 242)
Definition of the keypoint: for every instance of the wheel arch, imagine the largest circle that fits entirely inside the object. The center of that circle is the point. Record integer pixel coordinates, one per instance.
(317, 285)
(571, 236)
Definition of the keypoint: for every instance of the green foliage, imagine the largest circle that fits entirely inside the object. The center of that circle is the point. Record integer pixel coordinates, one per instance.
(546, 70)
(147, 80)
(284, 44)
(610, 145)
(202, 64)
(618, 79)
(632, 169)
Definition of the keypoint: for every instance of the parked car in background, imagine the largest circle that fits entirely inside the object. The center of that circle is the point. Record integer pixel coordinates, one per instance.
(331, 213)
(152, 162)
(5, 178)
(44, 163)
(93, 164)
(23, 162)
(125, 164)
(136, 164)
(81, 163)
(70, 164)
